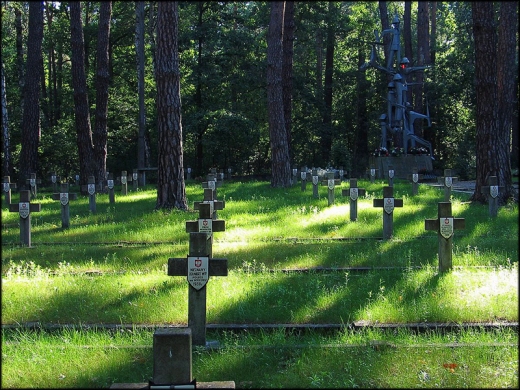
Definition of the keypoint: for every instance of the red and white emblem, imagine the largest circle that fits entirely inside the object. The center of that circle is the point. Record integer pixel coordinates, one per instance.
(446, 227)
(23, 207)
(388, 205)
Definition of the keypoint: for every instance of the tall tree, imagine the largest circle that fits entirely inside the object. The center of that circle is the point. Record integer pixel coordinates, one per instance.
(423, 58)
(31, 131)
(171, 191)
(6, 141)
(287, 68)
(280, 162)
(102, 85)
(81, 106)
(492, 144)
(139, 46)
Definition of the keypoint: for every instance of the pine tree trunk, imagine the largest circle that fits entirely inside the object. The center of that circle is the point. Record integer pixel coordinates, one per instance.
(31, 111)
(281, 173)
(81, 105)
(102, 85)
(171, 192)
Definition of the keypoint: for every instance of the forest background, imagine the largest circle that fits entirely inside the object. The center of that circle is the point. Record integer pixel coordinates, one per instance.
(223, 66)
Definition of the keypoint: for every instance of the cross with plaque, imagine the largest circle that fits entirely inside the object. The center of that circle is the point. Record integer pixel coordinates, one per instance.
(7, 187)
(353, 193)
(32, 184)
(64, 196)
(315, 181)
(110, 186)
(209, 197)
(198, 266)
(445, 225)
(330, 183)
(491, 192)
(391, 174)
(91, 190)
(388, 203)
(447, 182)
(25, 208)
(135, 181)
(54, 180)
(372, 173)
(124, 182)
(414, 178)
(294, 175)
(341, 173)
(212, 183)
(304, 175)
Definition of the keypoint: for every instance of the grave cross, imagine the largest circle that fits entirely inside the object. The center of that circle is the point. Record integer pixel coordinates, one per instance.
(447, 181)
(212, 183)
(91, 189)
(415, 177)
(54, 180)
(372, 173)
(210, 199)
(491, 192)
(315, 181)
(188, 173)
(25, 207)
(341, 173)
(64, 196)
(110, 186)
(294, 175)
(135, 176)
(330, 183)
(353, 193)
(7, 186)
(304, 175)
(32, 184)
(445, 225)
(124, 182)
(388, 203)
(198, 267)
(391, 174)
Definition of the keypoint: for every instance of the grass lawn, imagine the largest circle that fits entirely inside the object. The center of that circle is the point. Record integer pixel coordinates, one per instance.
(292, 259)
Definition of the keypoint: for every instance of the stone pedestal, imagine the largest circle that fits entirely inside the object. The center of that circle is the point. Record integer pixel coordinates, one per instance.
(402, 165)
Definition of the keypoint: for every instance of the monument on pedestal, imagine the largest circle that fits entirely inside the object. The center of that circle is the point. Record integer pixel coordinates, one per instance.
(398, 136)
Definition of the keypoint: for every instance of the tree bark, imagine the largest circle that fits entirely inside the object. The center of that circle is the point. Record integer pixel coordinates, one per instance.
(31, 131)
(280, 163)
(507, 101)
(81, 106)
(102, 86)
(487, 141)
(287, 68)
(6, 139)
(171, 192)
(139, 46)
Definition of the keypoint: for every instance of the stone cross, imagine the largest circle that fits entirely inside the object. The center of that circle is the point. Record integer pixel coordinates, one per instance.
(32, 184)
(110, 186)
(76, 180)
(372, 173)
(341, 173)
(221, 175)
(330, 183)
(447, 181)
(304, 175)
(64, 196)
(414, 178)
(124, 182)
(212, 183)
(445, 225)
(91, 190)
(315, 181)
(491, 192)
(294, 175)
(135, 177)
(229, 174)
(388, 203)
(209, 197)
(188, 173)
(391, 174)
(25, 208)
(54, 180)
(7, 187)
(353, 193)
(198, 267)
